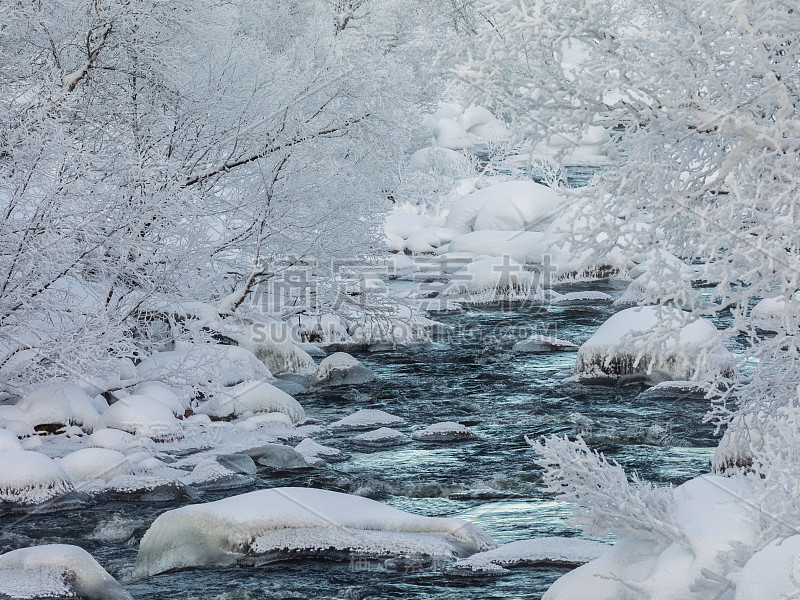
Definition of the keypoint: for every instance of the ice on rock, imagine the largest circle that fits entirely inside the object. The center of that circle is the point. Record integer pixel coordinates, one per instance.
(280, 523)
(255, 397)
(200, 366)
(544, 343)
(685, 344)
(141, 416)
(446, 431)
(311, 450)
(559, 551)
(452, 135)
(28, 478)
(278, 456)
(342, 369)
(381, 438)
(9, 441)
(488, 278)
(441, 161)
(59, 404)
(367, 418)
(89, 464)
(537, 204)
(165, 395)
(56, 571)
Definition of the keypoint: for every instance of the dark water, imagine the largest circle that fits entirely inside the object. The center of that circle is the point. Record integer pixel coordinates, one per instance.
(471, 376)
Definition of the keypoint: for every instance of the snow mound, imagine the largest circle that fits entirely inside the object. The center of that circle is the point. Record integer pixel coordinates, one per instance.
(201, 366)
(776, 314)
(141, 416)
(446, 431)
(771, 572)
(59, 404)
(440, 161)
(165, 395)
(278, 456)
(56, 570)
(274, 524)
(252, 396)
(452, 135)
(546, 550)
(543, 343)
(89, 464)
(367, 419)
(9, 441)
(342, 369)
(382, 438)
(115, 439)
(31, 478)
(488, 278)
(686, 347)
(506, 206)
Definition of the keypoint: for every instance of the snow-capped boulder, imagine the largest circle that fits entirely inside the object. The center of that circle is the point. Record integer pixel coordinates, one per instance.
(252, 396)
(686, 348)
(9, 441)
(428, 239)
(544, 343)
(89, 464)
(274, 344)
(480, 122)
(771, 572)
(165, 395)
(56, 571)
(278, 456)
(490, 277)
(28, 478)
(141, 416)
(537, 205)
(440, 161)
(382, 437)
(59, 404)
(342, 369)
(269, 419)
(451, 134)
(211, 474)
(776, 314)
(311, 450)
(279, 523)
(558, 551)
(520, 246)
(368, 418)
(115, 439)
(200, 366)
(446, 431)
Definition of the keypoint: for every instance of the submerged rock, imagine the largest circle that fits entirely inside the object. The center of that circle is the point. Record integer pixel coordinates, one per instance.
(543, 343)
(367, 419)
(446, 431)
(383, 437)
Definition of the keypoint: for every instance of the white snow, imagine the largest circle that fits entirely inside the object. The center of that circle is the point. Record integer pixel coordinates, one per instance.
(677, 352)
(115, 439)
(31, 478)
(281, 522)
(165, 395)
(252, 396)
(776, 314)
(342, 369)
(495, 276)
(442, 161)
(367, 419)
(59, 403)
(141, 416)
(9, 441)
(310, 450)
(89, 464)
(771, 572)
(544, 550)
(452, 135)
(536, 204)
(56, 570)
(383, 436)
(445, 431)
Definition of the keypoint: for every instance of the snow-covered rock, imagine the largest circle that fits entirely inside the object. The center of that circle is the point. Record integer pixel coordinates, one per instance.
(520, 246)
(9, 441)
(544, 343)
(56, 571)
(274, 344)
(141, 416)
(342, 369)
(776, 314)
(446, 431)
(311, 450)
(686, 347)
(252, 396)
(89, 464)
(59, 404)
(199, 366)
(382, 437)
(589, 297)
(545, 550)
(278, 456)
(534, 206)
(115, 439)
(367, 418)
(279, 523)
(165, 395)
(490, 278)
(771, 572)
(451, 134)
(28, 478)
(210, 473)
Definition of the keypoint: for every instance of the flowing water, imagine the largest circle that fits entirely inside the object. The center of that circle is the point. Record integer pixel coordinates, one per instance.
(469, 375)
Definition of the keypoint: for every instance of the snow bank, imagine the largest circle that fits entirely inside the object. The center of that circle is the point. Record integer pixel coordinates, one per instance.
(711, 516)
(31, 478)
(89, 464)
(446, 431)
(279, 523)
(546, 550)
(382, 437)
(141, 416)
(56, 570)
(367, 419)
(342, 369)
(59, 404)
(252, 396)
(686, 347)
(512, 205)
